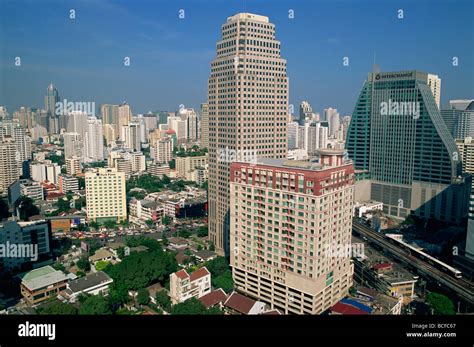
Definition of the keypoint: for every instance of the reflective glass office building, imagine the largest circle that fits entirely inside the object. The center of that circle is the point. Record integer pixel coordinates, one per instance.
(403, 151)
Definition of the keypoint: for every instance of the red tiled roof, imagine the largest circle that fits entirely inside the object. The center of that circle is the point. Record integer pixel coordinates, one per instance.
(239, 303)
(213, 298)
(347, 309)
(182, 274)
(199, 273)
(382, 266)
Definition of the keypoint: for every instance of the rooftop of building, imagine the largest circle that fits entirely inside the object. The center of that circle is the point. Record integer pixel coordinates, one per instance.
(42, 277)
(193, 276)
(301, 164)
(239, 303)
(388, 270)
(89, 281)
(245, 15)
(213, 298)
(100, 254)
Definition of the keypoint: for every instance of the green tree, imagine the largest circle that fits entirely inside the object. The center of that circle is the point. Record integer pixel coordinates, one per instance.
(121, 252)
(162, 299)
(202, 231)
(440, 304)
(212, 247)
(94, 225)
(63, 205)
(56, 308)
(82, 182)
(117, 297)
(95, 305)
(192, 307)
(101, 265)
(110, 224)
(84, 264)
(165, 220)
(172, 164)
(138, 194)
(143, 297)
(141, 269)
(26, 207)
(224, 281)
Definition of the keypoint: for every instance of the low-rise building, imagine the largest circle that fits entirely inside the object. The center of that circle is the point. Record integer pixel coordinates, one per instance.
(101, 254)
(185, 166)
(32, 241)
(216, 297)
(237, 303)
(67, 183)
(31, 189)
(73, 165)
(361, 208)
(92, 284)
(142, 211)
(158, 170)
(40, 284)
(378, 272)
(184, 286)
(177, 243)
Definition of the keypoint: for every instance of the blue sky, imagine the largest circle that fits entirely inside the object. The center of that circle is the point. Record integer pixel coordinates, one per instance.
(170, 57)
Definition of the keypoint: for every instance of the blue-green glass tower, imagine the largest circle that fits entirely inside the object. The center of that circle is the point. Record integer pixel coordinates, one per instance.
(403, 151)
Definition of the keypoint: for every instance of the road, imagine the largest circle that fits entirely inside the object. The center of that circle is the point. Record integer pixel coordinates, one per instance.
(461, 286)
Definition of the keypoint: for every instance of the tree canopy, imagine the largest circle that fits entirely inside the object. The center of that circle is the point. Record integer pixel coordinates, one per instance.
(193, 307)
(139, 270)
(56, 308)
(440, 304)
(26, 207)
(95, 305)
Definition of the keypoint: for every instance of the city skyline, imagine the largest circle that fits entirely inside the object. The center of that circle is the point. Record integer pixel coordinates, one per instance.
(196, 158)
(179, 51)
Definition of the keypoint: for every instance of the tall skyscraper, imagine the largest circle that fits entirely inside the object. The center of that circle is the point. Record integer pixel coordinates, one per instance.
(94, 141)
(305, 111)
(73, 145)
(190, 117)
(248, 108)
(333, 118)
(292, 135)
(3, 113)
(459, 118)
(46, 171)
(77, 123)
(50, 100)
(131, 136)
(124, 117)
(434, 82)
(9, 128)
(466, 150)
(205, 125)
(110, 117)
(9, 167)
(403, 149)
(105, 195)
(162, 150)
(180, 126)
(289, 248)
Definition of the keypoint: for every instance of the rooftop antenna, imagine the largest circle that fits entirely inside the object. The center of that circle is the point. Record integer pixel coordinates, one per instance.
(375, 67)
